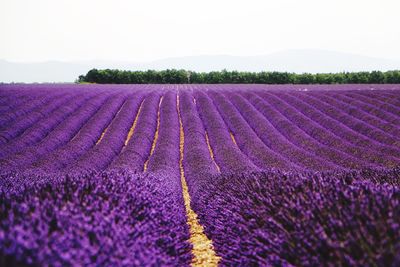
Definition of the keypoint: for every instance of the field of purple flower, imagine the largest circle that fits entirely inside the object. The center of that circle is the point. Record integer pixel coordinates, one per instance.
(202, 175)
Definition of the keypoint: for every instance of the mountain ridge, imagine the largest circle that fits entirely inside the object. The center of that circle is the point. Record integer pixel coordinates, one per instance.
(298, 61)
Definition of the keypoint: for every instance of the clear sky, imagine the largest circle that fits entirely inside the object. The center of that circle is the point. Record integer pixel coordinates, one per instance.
(39, 30)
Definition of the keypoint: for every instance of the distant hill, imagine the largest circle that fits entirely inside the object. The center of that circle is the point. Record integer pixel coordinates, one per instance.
(298, 61)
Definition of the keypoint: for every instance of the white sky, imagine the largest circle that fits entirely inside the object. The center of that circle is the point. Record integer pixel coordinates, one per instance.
(38, 30)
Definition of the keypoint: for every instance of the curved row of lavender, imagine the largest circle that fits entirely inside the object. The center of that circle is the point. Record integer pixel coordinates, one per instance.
(278, 175)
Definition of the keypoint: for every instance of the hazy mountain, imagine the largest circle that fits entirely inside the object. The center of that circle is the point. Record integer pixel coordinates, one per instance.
(290, 60)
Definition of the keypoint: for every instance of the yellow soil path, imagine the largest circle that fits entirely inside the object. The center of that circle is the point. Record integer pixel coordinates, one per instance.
(203, 250)
(132, 129)
(233, 138)
(153, 146)
(212, 153)
(102, 135)
(105, 130)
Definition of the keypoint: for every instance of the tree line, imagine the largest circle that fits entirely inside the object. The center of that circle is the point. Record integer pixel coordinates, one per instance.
(173, 76)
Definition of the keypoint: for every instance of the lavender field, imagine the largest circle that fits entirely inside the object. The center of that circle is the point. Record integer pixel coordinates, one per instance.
(202, 175)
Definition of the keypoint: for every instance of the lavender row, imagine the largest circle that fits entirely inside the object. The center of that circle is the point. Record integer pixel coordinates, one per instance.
(365, 122)
(246, 137)
(331, 152)
(85, 139)
(303, 219)
(137, 150)
(13, 102)
(34, 131)
(315, 155)
(197, 161)
(93, 219)
(373, 110)
(380, 103)
(36, 105)
(390, 98)
(348, 121)
(333, 125)
(227, 155)
(272, 137)
(111, 143)
(360, 156)
(165, 157)
(392, 130)
(58, 137)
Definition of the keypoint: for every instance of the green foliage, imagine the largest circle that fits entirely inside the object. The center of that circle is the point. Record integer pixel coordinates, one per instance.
(183, 76)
